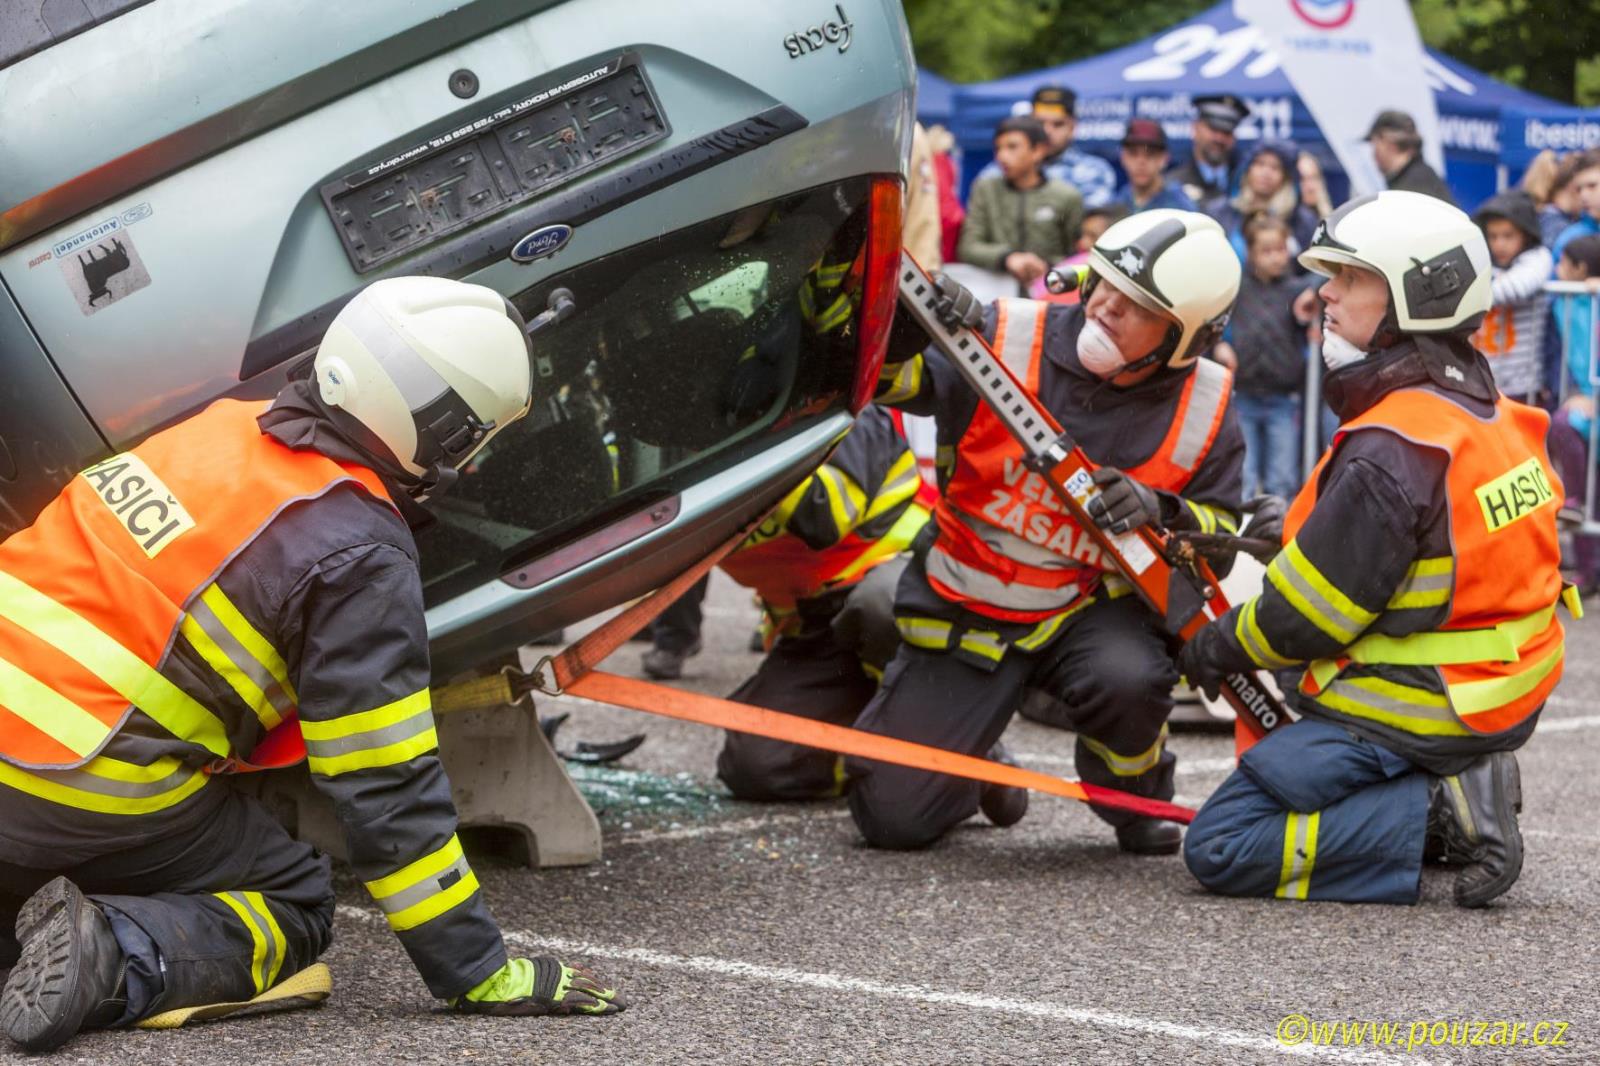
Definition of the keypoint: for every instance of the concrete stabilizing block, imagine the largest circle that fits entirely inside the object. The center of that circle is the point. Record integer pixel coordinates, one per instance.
(512, 793)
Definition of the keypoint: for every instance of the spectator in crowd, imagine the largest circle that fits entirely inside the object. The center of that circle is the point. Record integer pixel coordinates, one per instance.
(1056, 108)
(1020, 221)
(1144, 157)
(951, 214)
(1267, 188)
(921, 235)
(1569, 430)
(1209, 171)
(1512, 334)
(1265, 344)
(1096, 220)
(1313, 185)
(1585, 187)
(1397, 149)
(1548, 183)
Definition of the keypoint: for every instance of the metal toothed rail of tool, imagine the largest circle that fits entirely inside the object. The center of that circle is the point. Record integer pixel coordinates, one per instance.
(1168, 576)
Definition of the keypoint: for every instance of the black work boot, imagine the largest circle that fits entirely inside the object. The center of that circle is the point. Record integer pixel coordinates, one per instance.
(665, 665)
(1003, 804)
(1472, 821)
(70, 975)
(1149, 836)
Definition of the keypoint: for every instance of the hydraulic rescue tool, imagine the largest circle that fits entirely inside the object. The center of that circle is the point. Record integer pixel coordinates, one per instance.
(1167, 573)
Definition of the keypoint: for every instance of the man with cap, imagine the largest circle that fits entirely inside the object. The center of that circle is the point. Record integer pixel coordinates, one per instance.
(1056, 109)
(1397, 149)
(1210, 169)
(1144, 157)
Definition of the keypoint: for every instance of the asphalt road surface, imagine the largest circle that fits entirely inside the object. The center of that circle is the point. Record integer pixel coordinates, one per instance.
(769, 934)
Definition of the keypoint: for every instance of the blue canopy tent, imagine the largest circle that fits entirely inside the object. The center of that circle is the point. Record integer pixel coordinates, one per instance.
(1216, 52)
(935, 98)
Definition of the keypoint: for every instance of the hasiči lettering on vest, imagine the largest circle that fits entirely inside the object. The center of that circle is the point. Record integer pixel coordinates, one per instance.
(144, 506)
(1515, 494)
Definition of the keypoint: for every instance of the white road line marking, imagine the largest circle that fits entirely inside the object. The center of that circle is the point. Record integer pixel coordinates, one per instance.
(1185, 766)
(738, 825)
(783, 975)
(1556, 833)
(1566, 725)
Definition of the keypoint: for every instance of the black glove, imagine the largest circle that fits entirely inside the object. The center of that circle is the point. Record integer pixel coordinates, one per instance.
(1122, 504)
(1265, 523)
(955, 305)
(1198, 662)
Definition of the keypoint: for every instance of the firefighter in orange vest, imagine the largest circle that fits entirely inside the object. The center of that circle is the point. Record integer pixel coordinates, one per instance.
(825, 564)
(1004, 592)
(1417, 585)
(249, 573)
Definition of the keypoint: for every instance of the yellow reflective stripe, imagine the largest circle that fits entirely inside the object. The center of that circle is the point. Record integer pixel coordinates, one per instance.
(830, 276)
(904, 381)
(280, 945)
(120, 669)
(900, 484)
(1477, 697)
(229, 671)
(837, 314)
(932, 633)
(1315, 597)
(846, 499)
(106, 786)
(1427, 583)
(247, 635)
(367, 721)
(1299, 854)
(1446, 647)
(892, 543)
(1115, 586)
(49, 711)
(371, 758)
(1254, 642)
(258, 938)
(1404, 707)
(1203, 515)
(412, 895)
(1045, 631)
(983, 642)
(1128, 765)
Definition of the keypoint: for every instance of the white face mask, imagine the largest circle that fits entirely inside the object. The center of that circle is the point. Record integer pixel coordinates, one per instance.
(1338, 352)
(1097, 352)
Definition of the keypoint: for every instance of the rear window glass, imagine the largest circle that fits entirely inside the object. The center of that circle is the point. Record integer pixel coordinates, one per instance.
(686, 353)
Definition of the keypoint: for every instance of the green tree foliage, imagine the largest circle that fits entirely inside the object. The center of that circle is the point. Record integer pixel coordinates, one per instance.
(1546, 46)
(978, 40)
(1543, 46)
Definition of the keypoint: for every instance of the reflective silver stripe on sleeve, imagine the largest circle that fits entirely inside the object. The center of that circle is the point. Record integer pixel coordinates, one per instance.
(84, 781)
(247, 664)
(404, 729)
(1209, 393)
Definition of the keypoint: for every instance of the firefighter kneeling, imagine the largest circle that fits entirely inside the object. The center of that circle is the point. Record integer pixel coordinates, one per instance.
(1004, 591)
(1418, 584)
(825, 564)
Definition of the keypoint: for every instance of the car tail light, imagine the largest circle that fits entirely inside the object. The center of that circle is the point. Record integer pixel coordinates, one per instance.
(879, 285)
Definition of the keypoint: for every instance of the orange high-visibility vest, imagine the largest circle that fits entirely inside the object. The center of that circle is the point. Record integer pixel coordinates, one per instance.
(1499, 653)
(95, 595)
(1007, 548)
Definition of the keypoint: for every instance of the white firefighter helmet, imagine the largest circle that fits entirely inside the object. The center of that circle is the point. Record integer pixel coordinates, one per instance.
(433, 368)
(1177, 264)
(1430, 253)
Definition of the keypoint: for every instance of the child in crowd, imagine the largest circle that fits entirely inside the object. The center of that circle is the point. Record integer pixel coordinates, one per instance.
(1096, 221)
(1512, 334)
(1266, 347)
(1569, 431)
(1020, 221)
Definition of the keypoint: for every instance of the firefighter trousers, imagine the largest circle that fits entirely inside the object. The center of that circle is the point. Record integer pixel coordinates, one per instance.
(1314, 812)
(219, 910)
(1111, 665)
